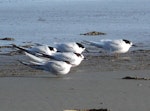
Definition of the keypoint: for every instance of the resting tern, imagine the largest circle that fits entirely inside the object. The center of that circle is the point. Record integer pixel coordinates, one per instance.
(70, 47)
(113, 46)
(73, 58)
(44, 49)
(55, 67)
(67, 47)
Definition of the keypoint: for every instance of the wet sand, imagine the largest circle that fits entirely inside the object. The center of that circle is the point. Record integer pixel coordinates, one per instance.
(96, 83)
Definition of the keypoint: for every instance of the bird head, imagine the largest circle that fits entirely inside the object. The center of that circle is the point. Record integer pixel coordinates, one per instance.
(128, 42)
(79, 56)
(82, 48)
(52, 49)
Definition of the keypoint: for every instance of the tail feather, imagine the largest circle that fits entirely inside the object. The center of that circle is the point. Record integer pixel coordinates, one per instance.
(23, 49)
(28, 51)
(36, 63)
(31, 63)
(36, 59)
(92, 43)
(38, 44)
(25, 63)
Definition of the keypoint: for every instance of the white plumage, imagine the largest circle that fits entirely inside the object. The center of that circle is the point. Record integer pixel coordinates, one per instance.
(70, 47)
(112, 46)
(50, 59)
(54, 67)
(73, 58)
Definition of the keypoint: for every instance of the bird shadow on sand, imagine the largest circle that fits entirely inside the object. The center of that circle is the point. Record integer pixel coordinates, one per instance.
(37, 76)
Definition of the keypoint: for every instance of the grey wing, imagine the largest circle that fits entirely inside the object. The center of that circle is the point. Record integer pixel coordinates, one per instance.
(112, 45)
(65, 47)
(65, 57)
(55, 66)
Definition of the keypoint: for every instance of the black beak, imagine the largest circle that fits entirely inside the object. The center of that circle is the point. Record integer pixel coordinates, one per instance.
(87, 51)
(85, 58)
(134, 45)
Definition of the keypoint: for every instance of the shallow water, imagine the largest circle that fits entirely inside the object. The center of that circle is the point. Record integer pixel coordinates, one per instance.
(47, 22)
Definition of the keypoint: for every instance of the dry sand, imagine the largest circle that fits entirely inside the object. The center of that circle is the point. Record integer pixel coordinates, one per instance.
(96, 83)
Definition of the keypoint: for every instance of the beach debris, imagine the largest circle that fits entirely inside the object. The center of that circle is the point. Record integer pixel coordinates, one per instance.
(88, 110)
(93, 33)
(136, 78)
(7, 38)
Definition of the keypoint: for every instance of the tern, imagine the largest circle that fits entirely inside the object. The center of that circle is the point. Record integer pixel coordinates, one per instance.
(55, 67)
(73, 58)
(113, 46)
(44, 49)
(70, 47)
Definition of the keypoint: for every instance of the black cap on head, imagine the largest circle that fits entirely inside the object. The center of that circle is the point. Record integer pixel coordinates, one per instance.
(77, 54)
(51, 48)
(80, 45)
(127, 41)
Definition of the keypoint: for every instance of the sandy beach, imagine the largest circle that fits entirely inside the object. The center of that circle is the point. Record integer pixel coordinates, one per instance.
(97, 83)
